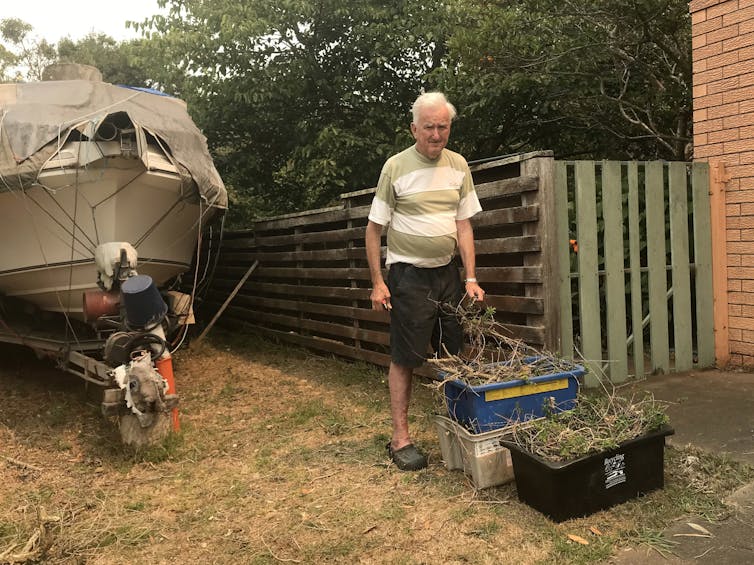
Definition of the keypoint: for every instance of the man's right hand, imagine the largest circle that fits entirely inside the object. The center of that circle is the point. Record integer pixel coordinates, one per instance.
(381, 297)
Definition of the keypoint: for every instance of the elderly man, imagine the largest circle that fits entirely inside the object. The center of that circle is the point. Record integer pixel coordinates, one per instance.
(426, 196)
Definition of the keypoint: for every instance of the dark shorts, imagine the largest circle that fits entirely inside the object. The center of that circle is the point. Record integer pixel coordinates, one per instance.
(416, 320)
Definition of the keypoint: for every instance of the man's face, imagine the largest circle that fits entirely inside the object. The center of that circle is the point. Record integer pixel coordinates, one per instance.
(432, 130)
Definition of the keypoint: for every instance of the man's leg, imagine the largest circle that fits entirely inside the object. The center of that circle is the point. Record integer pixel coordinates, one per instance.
(401, 449)
(399, 381)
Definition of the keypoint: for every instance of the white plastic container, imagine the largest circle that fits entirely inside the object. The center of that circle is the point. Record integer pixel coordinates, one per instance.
(479, 455)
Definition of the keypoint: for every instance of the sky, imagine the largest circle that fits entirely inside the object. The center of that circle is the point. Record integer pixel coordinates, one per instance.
(53, 20)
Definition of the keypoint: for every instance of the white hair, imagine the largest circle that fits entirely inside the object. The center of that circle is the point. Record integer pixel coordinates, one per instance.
(431, 100)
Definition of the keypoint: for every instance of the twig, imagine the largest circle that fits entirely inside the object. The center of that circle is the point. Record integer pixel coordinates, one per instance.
(275, 557)
(20, 463)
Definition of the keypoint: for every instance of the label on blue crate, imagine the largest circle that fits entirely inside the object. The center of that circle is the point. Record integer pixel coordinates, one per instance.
(525, 390)
(615, 470)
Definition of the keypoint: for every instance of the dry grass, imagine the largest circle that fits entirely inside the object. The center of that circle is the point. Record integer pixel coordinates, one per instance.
(598, 422)
(281, 459)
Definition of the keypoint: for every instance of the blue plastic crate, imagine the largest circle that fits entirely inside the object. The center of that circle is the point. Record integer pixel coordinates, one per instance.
(491, 406)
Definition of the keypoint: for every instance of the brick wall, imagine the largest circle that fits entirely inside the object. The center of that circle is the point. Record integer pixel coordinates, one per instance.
(723, 91)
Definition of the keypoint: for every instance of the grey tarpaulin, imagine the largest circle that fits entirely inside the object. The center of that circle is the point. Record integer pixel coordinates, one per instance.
(35, 118)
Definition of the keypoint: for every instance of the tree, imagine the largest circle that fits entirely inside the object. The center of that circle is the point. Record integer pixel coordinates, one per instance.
(119, 62)
(594, 78)
(300, 100)
(27, 56)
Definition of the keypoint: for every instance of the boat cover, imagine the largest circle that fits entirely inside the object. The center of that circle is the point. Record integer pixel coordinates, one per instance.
(36, 118)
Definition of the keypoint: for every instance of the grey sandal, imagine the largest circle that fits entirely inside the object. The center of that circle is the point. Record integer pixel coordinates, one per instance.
(407, 458)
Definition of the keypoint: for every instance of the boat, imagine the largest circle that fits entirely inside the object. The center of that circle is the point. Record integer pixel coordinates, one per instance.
(85, 163)
(105, 191)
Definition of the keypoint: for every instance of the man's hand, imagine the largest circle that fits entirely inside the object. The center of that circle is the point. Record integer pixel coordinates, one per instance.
(475, 291)
(381, 297)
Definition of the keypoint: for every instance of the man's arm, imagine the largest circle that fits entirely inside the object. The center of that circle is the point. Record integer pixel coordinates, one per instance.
(380, 296)
(468, 257)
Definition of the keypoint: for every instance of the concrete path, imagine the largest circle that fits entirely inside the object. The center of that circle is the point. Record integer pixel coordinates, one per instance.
(714, 411)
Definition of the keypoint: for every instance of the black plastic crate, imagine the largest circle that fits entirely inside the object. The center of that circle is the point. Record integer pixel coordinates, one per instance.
(580, 487)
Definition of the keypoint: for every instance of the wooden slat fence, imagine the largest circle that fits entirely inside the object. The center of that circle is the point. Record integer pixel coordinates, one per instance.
(639, 276)
(312, 285)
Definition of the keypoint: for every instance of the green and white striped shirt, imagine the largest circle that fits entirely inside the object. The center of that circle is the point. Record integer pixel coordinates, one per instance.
(421, 199)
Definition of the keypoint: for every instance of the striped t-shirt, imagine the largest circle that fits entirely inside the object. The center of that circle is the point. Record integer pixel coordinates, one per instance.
(421, 199)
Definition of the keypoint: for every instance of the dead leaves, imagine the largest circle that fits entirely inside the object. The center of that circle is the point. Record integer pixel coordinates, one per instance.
(594, 530)
(701, 532)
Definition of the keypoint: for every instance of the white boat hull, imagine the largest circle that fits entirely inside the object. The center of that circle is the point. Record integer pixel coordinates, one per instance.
(51, 229)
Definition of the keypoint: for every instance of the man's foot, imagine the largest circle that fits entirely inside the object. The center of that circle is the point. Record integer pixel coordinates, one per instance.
(407, 458)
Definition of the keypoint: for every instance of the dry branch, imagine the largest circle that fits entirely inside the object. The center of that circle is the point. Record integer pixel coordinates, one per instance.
(491, 356)
(20, 463)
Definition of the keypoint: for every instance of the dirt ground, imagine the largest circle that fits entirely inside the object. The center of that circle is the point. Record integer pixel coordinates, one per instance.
(280, 459)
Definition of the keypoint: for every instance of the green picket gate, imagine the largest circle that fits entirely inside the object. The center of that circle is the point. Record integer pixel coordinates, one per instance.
(635, 266)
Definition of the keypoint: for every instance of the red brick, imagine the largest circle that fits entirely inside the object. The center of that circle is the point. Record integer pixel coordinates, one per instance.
(747, 260)
(743, 40)
(723, 9)
(719, 136)
(746, 170)
(738, 68)
(741, 323)
(734, 286)
(743, 196)
(738, 146)
(746, 286)
(740, 248)
(733, 260)
(744, 54)
(741, 298)
(708, 25)
(700, 139)
(746, 350)
(746, 132)
(747, 209)
(740, 223)
(722, 60)
(698, 41)
(747, 25)
(732, 210)
(713, 87)
(747, 311)
(735, 310)
(708, 126)
(696, 6)
(738, 94)
(732, 109)
(737, 120)
(700, 90)
(698, 15)
(712, 50)
(698, 65)
(734, 16)
(723, 34)
(713, 75)
(746, 235)
(746, 106)
(714, 150)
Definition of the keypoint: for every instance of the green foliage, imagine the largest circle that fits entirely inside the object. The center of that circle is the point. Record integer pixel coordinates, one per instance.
(590, 78)
(119, 62)
(300, 100)
(21, 53)
(303, 100)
